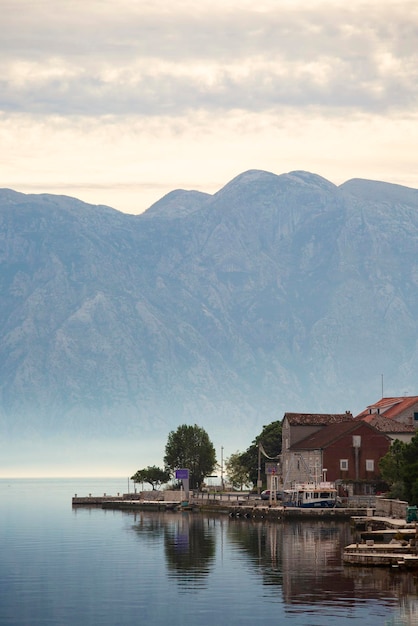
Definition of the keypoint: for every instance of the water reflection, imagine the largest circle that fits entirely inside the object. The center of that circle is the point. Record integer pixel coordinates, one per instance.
(312, 564)
(94, 566)
(189, 544)
(304, 559)
(190, 549)
(262, 544)
(151, 527)
(298, 563)
(406, 615)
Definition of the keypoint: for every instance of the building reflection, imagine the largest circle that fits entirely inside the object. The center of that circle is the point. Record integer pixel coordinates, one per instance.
(312, 563)
(407, 614)
(299, 563)
(382, 579)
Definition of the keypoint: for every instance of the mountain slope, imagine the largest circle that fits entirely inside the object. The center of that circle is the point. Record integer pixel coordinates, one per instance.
(277, 293)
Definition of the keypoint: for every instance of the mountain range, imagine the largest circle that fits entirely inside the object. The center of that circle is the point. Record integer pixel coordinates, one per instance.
(277, 293)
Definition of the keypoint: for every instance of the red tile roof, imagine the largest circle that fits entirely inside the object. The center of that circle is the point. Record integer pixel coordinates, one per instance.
(389, 407)
(387, 425)
(319, 419)
(326, 436)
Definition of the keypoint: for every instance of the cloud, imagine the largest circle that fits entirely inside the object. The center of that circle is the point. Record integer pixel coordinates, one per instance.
(131, 162)
(126, 58)
(120, 101)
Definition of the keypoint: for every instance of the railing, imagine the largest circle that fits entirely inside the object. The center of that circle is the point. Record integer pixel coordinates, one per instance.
(223, 497)
(359, 502)
(354, 502)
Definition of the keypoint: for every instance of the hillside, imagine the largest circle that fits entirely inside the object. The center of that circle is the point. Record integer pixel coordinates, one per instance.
(277, 293)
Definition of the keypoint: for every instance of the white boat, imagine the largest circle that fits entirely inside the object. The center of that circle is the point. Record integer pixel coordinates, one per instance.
(311, 495)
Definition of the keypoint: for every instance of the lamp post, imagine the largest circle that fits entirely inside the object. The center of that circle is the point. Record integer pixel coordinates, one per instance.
(259, 470)
(222, 468)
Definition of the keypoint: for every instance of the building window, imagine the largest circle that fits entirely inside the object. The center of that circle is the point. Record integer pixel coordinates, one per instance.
(416, 418)
(369, 465)
(344, 465)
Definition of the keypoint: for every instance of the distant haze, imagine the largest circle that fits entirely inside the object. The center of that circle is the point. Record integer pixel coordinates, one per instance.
(276, 293)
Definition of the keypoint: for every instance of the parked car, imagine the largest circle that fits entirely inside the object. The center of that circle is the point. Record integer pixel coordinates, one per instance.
(265, 495)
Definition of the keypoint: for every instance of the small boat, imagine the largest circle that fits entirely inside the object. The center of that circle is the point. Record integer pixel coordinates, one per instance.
(311, 495)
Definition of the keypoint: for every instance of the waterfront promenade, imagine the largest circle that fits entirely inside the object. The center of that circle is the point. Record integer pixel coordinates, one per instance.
(235, 505)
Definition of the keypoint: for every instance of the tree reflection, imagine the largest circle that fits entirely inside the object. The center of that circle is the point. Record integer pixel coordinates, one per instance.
(190, 549)
(189, 543)
(299, 563)
(261, 541)
(150, 527)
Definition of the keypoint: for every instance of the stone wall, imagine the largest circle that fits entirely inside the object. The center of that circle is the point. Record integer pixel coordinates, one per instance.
(391, 508)
(163, 496)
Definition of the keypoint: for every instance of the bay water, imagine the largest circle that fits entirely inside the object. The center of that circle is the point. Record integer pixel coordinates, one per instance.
(65, 565)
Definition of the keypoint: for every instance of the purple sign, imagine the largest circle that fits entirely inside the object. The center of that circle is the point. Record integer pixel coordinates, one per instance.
(182, 474)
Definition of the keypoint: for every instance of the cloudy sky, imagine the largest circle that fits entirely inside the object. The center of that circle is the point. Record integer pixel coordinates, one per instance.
(120, 101)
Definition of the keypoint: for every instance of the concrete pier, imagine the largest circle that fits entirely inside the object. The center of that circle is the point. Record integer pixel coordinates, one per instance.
(380, 555)
(248, 509)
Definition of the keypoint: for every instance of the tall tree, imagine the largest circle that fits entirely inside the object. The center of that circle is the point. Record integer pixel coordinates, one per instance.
(153, 475)
(392, 464)
(410, 470)
(399, 468)
(190, 447)
(270, 439)
(237, 473)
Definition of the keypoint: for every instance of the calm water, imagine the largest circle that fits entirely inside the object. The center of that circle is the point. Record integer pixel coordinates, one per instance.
(62, 566)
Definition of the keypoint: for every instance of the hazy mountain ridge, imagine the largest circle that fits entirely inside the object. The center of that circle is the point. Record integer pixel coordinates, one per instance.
(276, 293)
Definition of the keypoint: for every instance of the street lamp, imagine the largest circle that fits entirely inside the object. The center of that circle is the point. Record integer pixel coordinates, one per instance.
(222, 468)
(259, 470)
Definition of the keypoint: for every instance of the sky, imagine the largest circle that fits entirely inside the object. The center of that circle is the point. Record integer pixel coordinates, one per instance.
(118, 102)
(56, 457)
